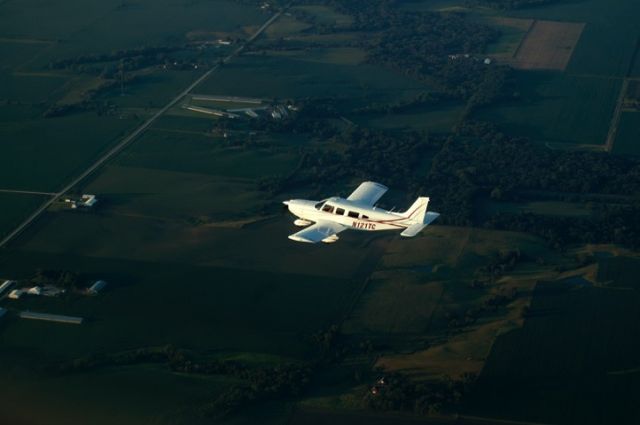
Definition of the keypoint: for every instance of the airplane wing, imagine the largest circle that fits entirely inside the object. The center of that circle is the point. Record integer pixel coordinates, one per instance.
(368, 193)
(317, 232)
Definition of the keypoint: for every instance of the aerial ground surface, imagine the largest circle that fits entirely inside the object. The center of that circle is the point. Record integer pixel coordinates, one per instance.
(192, 120)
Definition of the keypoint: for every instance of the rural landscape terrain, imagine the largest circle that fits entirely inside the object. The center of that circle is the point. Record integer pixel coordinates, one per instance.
(146, 276)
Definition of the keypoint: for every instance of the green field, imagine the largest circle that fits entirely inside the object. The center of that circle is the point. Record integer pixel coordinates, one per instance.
(574, 361)
(15, 206)
(208, 154)
(57, 149)
(558, 108)
(195, 252)
(628, 137)
(325, 15)
(145, 23)
(553, 208)
(275, 76)
(574, 107)
(608, 41)
(440, 119)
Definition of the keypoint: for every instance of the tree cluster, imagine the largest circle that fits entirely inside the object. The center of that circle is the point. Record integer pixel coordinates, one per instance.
(481, 162)
(402, 394)
(364, 154)
(62, 278)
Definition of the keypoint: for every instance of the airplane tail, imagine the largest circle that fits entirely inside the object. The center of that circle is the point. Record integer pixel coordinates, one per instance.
(418, 216)
(416, 212)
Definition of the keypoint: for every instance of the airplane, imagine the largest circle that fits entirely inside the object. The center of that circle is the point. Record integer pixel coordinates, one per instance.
(326, 218)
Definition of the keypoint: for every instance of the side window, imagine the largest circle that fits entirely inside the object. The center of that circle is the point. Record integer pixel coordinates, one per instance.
(340, 211)
(327, 208)
(364, 216)
(353, 214)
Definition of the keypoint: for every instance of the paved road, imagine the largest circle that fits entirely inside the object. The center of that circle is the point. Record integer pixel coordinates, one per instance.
(131, 137)
(27, 192)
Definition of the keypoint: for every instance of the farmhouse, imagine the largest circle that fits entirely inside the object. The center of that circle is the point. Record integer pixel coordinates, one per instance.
(85, 201)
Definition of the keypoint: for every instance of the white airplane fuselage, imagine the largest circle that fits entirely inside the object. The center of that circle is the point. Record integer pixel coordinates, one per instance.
(347, 213)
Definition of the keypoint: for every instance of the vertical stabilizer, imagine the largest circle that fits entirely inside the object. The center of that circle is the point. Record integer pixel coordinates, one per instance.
(417, 212)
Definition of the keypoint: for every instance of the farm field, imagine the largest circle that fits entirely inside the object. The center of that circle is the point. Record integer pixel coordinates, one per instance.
(547, 45)
(223, 311)
(556, 208)
(283, 77)
(437, 120)
(512, 34)
(628, 137)
(30, 155)
(197, 152)
(191, 235)
(31, 158)
(608, 40)
(564, 355)
(558, 108)
(14, 206)
(573, 108)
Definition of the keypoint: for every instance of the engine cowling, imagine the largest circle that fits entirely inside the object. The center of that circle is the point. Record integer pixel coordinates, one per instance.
(301, 223)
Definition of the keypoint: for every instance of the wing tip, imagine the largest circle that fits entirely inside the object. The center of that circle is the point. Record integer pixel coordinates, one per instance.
(299, 239)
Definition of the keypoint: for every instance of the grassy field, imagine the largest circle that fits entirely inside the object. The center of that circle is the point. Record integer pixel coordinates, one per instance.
(282, 77)
(207, 154)
(439, 119)
(165, 295)
(14, 207)
(197, 256)
(145, 23)
(325, 15)
(558, 108)
(555, 208)
(512, 33)
(574, 361)
(421, 283)
(628, 137)
(144, 394)
(573, 107)
(608, 40)
(55, 149)
(619, 272)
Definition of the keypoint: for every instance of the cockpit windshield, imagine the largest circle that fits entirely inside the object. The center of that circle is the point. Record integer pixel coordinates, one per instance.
(320, 204)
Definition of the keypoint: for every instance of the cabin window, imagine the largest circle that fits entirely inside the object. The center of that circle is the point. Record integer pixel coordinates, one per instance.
(340, 211)
(353, 214)
(328, 208)
(364, 217)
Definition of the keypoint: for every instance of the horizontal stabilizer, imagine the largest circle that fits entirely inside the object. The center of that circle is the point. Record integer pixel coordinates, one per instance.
(413, 230)
(416, 228)
(430, 217)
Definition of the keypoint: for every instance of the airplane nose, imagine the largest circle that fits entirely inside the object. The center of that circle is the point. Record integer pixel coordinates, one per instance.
(286, 202)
